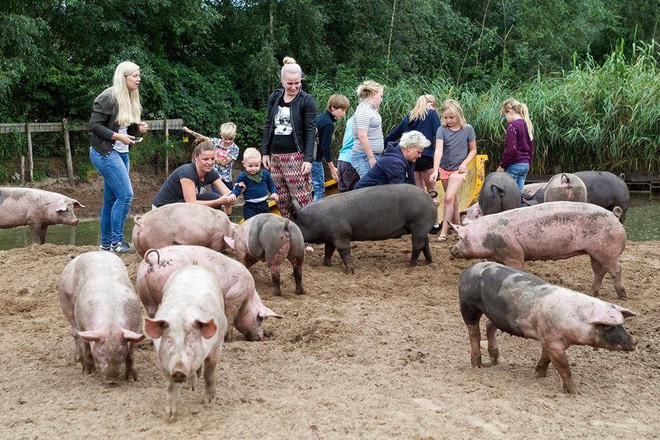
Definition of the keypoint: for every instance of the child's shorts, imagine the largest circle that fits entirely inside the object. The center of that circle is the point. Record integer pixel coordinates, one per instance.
(444, 175)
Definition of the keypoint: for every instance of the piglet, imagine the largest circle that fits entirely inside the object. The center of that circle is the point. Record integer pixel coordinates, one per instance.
(188, 331)
(180, 223)
(37, 209)
(243, 307)
(100, 303)
(523, 305)
(271, 239)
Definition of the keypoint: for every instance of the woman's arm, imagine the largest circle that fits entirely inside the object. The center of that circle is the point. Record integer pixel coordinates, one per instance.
(190, 194)
(195, 134)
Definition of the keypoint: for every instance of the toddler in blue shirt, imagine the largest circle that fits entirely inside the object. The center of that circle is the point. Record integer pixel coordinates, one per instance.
(255, 184)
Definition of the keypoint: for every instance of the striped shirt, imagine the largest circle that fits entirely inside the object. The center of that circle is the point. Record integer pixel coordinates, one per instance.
(367, 117)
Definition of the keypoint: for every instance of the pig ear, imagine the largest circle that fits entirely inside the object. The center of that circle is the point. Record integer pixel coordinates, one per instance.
(60, 205)
(76, 203)
(153, 328)
(265, 312)
(459, 230)
(230, 242)
(627, 313)
(606, 314)
(131, 336)
(91, 336)
(209, 329)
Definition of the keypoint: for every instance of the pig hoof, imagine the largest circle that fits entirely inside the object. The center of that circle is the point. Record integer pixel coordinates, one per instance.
(476, 363)
(132, 374)
(327, 262)
(300, 291)
(621, 294)
(208, 400)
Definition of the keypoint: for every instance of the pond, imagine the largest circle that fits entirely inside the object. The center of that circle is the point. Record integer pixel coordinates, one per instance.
(642, 224)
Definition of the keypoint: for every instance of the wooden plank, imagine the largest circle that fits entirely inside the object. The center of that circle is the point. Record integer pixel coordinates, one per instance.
(45, 127)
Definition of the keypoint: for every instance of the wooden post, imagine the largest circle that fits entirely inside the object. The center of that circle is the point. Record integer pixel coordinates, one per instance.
(67, 150)
(22, 170)
(167, 148)
(30, 157)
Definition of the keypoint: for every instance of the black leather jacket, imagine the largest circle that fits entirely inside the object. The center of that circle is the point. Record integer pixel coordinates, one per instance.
(103, 123)
(303, 114)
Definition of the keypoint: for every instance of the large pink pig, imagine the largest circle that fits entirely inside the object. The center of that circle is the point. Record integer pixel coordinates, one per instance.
(272, 239)
(523, 305)
(100, 303)
(549, 231)
(180, 223)
(243, 307)
(188, 331)
(37, 209)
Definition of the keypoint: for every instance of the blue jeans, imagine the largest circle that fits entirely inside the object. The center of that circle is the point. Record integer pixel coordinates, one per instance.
(518, 171)
(360, 162)
(117, 193)
(318, 180)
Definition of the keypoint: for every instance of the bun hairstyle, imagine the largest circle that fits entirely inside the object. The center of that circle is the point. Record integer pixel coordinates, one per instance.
(289, 66)
(368, 89)
(521, 109)
(200, 145)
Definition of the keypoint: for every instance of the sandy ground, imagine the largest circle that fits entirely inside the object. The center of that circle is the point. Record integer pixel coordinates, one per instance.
(380, 354)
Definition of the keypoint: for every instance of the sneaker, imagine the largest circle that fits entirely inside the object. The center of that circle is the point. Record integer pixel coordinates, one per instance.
(309, 247)
(105, 248)
(435, 229)
(121, 248)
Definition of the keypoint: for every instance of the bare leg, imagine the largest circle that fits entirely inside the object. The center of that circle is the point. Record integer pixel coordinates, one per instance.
(493, 349)
(450, 203)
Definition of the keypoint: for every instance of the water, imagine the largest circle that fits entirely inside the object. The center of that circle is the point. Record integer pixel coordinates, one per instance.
(642, 224)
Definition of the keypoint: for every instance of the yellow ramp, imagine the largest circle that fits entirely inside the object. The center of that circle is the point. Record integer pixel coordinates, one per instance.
(467, 194)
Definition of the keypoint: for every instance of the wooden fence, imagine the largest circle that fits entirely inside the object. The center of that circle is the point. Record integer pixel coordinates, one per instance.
(65, 127)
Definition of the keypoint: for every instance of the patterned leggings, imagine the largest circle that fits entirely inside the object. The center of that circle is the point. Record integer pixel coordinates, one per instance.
(290, 183)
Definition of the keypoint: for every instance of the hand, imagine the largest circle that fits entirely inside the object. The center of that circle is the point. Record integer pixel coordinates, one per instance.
(143, 127)
(124, 139)
(372, 161)
(433, 177)
(275, 197)
(334, 173)
(186, 129)
(231, 199)
(306, 168)
(500, 169)
(265, 160)
(462, 169)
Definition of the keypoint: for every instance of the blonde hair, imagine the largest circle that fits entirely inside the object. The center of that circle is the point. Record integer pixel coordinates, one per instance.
(228, 130)
(338, 101)
(290, 66)
(368, 89)
(421, 109)
(128, 102)
(413, 138)
(521, 109)
(251, 153)
(453, 106)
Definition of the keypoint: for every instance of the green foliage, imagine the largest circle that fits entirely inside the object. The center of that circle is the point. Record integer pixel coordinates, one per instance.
(83, 170)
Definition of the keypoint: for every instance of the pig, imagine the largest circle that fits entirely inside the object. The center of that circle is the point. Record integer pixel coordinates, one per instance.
(533, 193)
(188, 330)
(549, 231)
(565, 187)
(472, 213)
(523, 305)
(499, 193)
(37, 209)
(270, 238)
(104, 311)
(368, 214)
(243, 307)
(180, 223)
(606, 190)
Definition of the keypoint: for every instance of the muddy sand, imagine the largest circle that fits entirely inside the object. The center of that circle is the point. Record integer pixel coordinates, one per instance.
(380, 354)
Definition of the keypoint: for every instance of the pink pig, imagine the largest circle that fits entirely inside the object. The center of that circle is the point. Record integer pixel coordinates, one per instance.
(243, 307)
(548, 231)
(37, 209)
(100, 303)
(180, 223)
(188, 331)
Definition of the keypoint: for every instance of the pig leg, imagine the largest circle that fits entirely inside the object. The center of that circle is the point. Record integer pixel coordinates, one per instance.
(172, 397)
(475, 345)
(615, 272)
(420, 243)
(38, 233)
(88, 360)
(297, 264)
(493, 349)
(329, 250)
(275, 278)
(599, 273)
(209, 377)
(542, 366)
(343, 246)
(559, 360)
(130, 369)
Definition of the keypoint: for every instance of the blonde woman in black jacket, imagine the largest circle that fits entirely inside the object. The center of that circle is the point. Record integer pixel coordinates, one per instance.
(114, 126)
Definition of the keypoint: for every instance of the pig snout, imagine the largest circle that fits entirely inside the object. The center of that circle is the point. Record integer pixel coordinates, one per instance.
(615, 338)
(178, 376)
